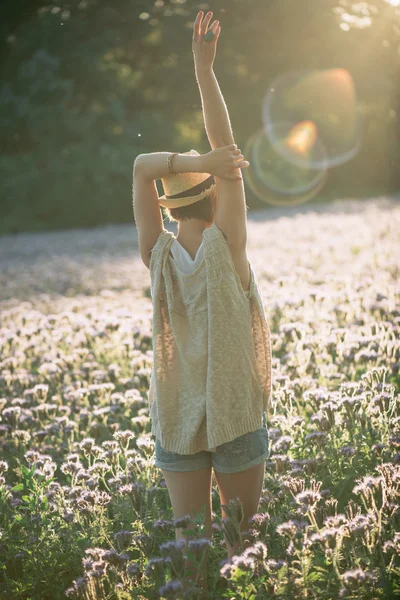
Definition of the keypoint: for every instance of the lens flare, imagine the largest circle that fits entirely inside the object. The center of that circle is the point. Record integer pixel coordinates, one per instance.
(273, 180)
(301, 138)
(279, 173)
(319, 108)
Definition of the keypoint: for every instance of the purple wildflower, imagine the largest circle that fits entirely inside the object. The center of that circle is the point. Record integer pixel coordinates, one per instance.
(308, 498)
(244, 562)
(182, 522)
(146, 543)
(227, 568)
(348, 451)
(133, 569)
(175, 555)
(155, 569)
(199, 546)
(283, 443)
(353, 579)
(77, 588)
(319, 438)
(172, 589)
(272, 565)
(281, 462)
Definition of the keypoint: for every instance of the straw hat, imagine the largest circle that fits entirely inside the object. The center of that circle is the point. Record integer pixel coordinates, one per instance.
(184, 189)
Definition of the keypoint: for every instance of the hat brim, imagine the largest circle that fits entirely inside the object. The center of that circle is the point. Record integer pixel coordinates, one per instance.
(180, 202)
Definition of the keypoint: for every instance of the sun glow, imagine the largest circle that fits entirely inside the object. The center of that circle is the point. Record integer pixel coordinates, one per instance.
(302, 137)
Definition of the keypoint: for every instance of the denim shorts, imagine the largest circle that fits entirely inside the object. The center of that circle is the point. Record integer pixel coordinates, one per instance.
(237, 455)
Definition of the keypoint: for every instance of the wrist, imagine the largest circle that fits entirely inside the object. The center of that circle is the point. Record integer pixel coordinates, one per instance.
(184, 163)
(202, 72)
(201, 165)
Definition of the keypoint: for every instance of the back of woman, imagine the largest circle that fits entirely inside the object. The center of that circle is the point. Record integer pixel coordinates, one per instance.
(210, 385)
(211, 373)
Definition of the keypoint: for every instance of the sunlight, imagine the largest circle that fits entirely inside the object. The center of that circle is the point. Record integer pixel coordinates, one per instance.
(302, 137)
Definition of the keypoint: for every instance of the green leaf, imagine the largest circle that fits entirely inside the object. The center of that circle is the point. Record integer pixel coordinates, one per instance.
(315, 577)
(321, 569)
(27, 472)
(281, 573)
(18, 488)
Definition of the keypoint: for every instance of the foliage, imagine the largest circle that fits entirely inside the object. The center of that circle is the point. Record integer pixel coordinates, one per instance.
(87, 86)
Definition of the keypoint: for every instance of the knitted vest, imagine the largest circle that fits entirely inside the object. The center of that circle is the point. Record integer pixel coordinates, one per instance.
(211, 375)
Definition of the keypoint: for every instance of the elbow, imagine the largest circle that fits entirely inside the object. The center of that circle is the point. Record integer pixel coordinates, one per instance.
(138, 161)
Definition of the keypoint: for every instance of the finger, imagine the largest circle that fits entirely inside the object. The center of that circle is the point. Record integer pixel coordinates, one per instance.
(214, 26)
(196, 26)
(207, 21)
(243, 165)
(204, 25)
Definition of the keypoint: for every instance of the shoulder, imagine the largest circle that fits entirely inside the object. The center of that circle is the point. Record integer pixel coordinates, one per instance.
(162, 241)
(214, 233)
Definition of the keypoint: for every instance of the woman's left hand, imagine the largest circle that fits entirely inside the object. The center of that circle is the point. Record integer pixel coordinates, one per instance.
(223, 162)
(203, 51)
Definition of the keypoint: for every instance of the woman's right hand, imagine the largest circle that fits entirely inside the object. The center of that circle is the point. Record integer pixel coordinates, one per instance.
(224, 162)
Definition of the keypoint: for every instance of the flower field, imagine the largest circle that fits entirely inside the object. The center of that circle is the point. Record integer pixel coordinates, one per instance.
(85, 514)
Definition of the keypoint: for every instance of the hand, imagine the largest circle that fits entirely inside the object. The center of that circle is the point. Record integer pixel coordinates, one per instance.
(224, 162)
(204, 52)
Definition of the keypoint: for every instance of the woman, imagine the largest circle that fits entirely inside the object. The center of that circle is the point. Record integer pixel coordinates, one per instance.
(211, 381)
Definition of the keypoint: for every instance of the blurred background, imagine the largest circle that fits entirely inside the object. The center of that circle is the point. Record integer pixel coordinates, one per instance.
(312, 89)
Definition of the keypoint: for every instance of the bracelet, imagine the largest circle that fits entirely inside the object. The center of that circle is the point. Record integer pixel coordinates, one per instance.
(169, 162)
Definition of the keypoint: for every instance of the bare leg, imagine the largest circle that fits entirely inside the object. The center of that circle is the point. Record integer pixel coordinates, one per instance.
(247, 485)
(191, 490)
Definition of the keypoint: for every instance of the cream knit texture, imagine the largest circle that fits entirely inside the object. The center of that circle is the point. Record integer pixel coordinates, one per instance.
(211, 375)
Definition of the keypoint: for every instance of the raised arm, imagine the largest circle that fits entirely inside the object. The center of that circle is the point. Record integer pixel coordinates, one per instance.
(215, 112)
(230, 214)
(218, 162)
(149, 167)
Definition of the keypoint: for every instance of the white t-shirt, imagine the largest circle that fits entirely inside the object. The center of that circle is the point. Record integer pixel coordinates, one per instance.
(183, 258)
(184, 262)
